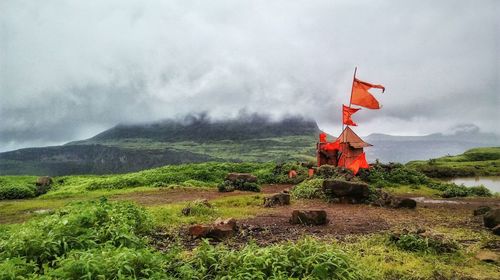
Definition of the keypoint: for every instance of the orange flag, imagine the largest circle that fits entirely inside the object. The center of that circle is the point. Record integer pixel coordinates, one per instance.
(360, 162)
(362, 97)
(322, 137)
(347, 112)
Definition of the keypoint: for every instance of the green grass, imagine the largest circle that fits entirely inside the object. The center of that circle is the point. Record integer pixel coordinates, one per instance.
(238, 207)
(474, 162)
(387, 261)
(294, 147)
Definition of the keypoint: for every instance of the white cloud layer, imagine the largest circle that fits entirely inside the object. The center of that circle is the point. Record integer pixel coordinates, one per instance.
(69, 69)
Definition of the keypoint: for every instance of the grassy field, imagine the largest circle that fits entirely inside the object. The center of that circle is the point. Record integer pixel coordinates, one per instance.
(72, 232)
(474, 162)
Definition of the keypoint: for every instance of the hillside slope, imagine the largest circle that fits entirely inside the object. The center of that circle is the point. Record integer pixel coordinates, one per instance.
(127, 148)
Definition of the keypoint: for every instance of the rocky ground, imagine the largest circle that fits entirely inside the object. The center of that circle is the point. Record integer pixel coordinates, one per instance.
(273, 224)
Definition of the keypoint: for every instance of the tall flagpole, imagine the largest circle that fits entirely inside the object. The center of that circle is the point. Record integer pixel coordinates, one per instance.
(350, 101)
(350, 98)
(352, 86)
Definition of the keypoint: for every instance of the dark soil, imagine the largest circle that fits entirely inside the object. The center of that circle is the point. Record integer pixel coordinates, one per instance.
(273, 225)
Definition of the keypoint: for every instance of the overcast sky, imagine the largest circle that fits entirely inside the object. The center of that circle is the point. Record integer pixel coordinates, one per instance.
(70, 69)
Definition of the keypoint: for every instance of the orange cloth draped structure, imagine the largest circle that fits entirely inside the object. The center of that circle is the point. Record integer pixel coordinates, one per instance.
(347, 112)
(362, 97)
(360, 162)
(332, 146)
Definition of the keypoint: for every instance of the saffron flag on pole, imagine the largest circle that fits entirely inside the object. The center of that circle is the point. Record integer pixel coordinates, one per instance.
(362, 97)
(360, 162)
(347, 112)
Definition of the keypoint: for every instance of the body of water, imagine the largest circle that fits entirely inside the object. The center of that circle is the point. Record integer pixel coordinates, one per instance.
(491, 182)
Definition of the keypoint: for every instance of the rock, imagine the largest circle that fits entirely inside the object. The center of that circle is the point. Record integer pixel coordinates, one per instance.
(243, 177)
(481, 210)
(386, 200)
(404, 203)
(231, 223)
(277, 199)
(219, 230)
(309, 217)
(43, 184)
(496, 230)
(492, 218)
(354, 192)
(198, 231)
(487, 256)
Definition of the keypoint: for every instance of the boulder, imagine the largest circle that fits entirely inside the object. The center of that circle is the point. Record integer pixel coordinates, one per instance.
(384, 199)
(409, 203)
(354, 192)
(492, 218)
(481, 210)
(198, 231)
(309, 217)
(242, 177)
(496, 230)
(221, 229)
(277, 199)
(43, 184)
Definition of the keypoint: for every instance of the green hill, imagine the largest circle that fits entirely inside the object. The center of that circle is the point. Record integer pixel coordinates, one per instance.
(127, 148)
(474, 162)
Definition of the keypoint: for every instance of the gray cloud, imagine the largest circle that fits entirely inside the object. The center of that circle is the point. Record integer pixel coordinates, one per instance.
(69, 69)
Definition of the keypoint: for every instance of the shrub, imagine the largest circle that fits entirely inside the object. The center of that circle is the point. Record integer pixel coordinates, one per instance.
(309, 189)
(229, 186)
(16, 192)
(280, 173)
(115, 183)
(111, 263)
(226, 186)
(16, 267)
(417, 243)
(393, 173)
(81, 225)
(480, 191)
(453, 190)
(306, 259)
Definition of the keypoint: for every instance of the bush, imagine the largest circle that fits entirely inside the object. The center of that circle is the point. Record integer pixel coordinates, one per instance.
(226, 186)
(16, 192)
(308, 189)
(453, 190)
(393, 173)
(79, 226)
(111, 263)
(229, 186)
(416, 243)
(16, 267)
(306, 259)
(280, 173)
(115, 183)
(480, 191)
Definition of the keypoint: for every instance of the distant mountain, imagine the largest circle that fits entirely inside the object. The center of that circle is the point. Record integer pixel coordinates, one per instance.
(389, 148)
(127, 148)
